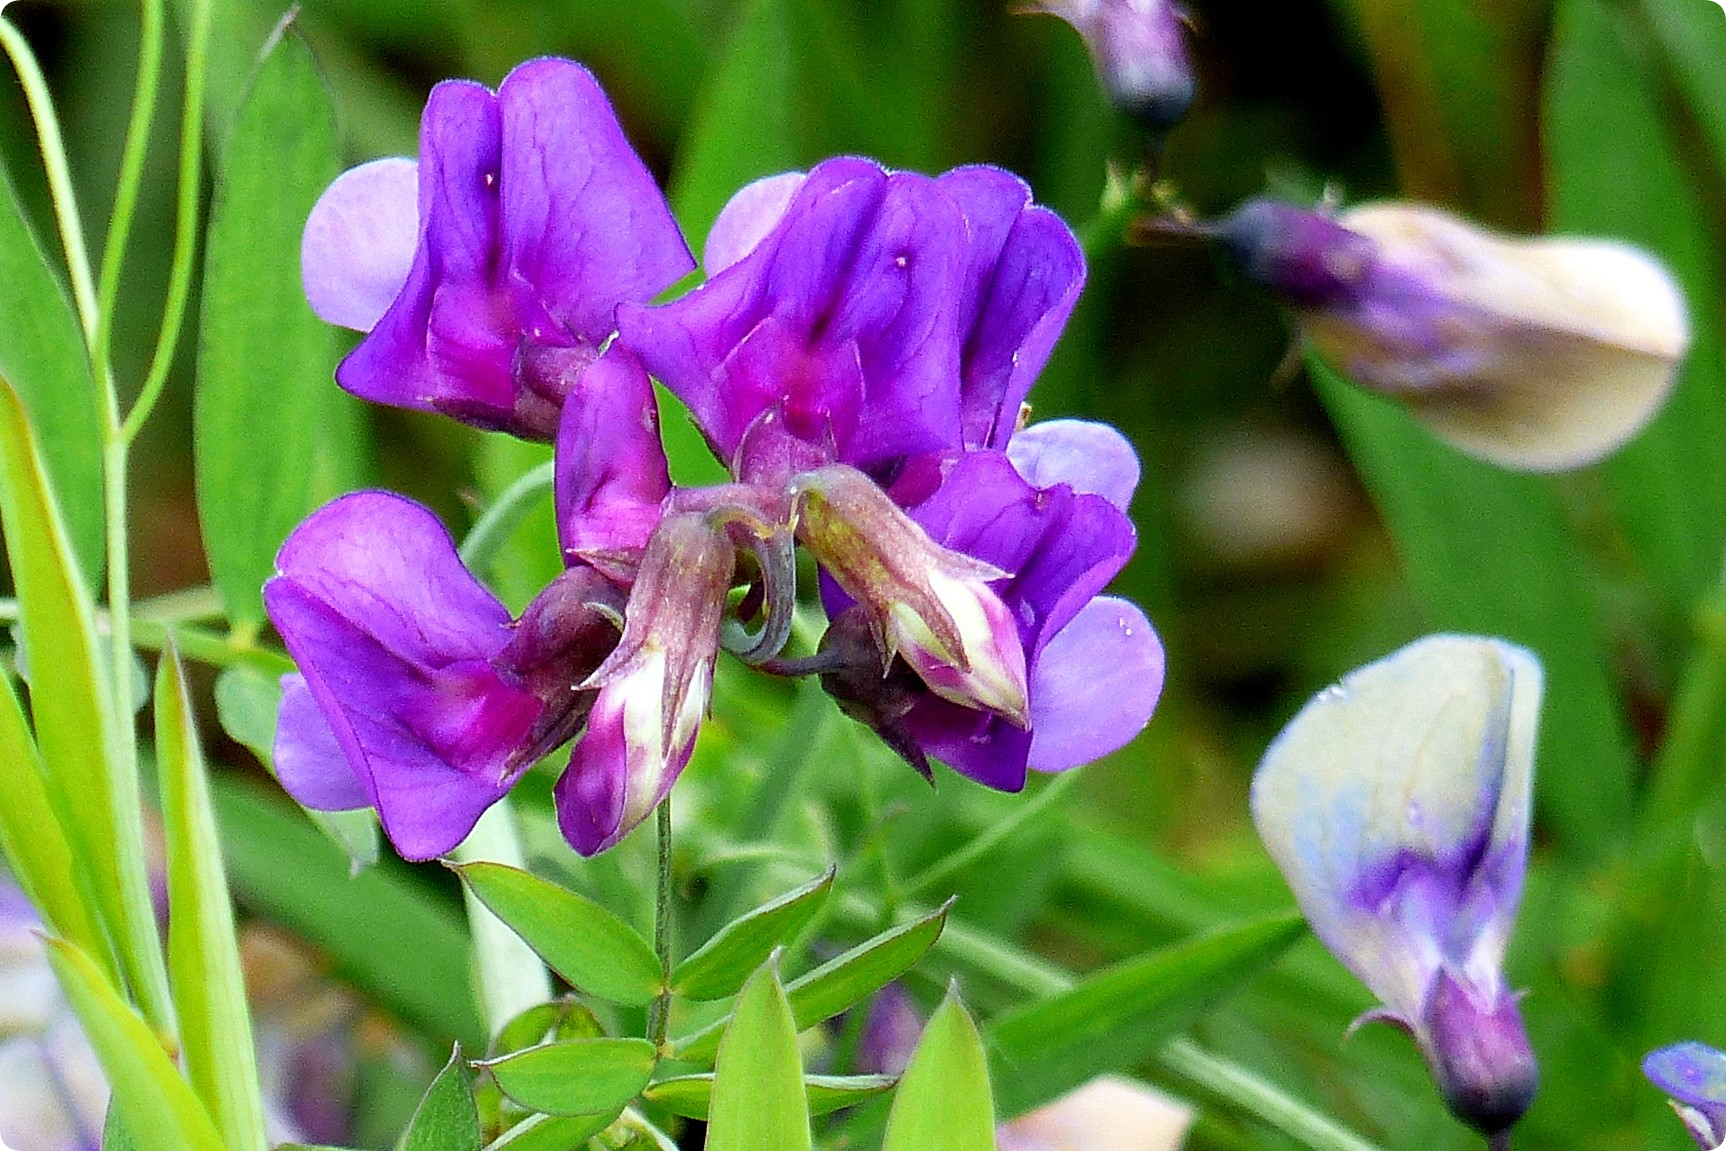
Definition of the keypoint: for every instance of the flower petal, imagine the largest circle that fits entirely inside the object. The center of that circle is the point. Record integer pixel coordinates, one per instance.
(1094, 685)
(359, 242)
(1397, 805)
(310, 763)
(747, 218)
(612, 474)
(1085, 455)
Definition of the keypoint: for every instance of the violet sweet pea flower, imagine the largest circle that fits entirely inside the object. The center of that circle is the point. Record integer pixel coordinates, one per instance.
(1139, 48)
(487, 277)
(1397, 806)
(1693, 1076)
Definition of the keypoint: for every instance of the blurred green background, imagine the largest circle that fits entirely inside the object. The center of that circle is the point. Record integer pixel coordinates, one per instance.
(1287, 533)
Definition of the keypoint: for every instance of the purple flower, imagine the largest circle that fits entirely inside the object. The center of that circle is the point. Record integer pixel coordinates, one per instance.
(488, 276)
(865, 316)
(1535, 354)
(1140, 50)
(1693, 1075)
(1397, 806)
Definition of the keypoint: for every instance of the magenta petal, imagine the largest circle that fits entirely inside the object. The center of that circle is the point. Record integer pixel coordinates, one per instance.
(1094, 685)
(584, 225)
(747, 218)
(359, 242)
(602, 796)
(611, 470)
(1086, 456)
(309, 760)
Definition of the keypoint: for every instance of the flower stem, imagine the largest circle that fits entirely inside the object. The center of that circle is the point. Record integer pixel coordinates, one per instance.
(499, 521)
(53, 149)
(939, 873)
(131, 180)
(1498, 1142)
(659, 1015)
(206, 647)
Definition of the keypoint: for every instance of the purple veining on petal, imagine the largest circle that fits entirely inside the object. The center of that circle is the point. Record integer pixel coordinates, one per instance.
(359, 242)
(846, 305)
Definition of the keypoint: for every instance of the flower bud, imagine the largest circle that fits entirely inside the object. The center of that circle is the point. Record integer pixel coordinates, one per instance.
(1536, 354)
(1693, 1075)
(1478, 1053)
(1140, 50)
(929, 605)
(653, 689)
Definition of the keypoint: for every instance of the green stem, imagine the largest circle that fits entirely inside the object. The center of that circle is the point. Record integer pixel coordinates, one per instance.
(131, 179)
(185, 220)
(659, 1016)
(206, 647)
(511, 977)
(506, 513)
(66, 215)
(937, 875)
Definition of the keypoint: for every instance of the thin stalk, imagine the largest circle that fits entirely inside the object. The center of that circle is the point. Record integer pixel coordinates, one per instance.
(659, 1016)
(67, 218)
(131, 180)
(997, 834)
(1498, 1142)
(511, 977)
(185, 222)
(499, 521)
(206, 647)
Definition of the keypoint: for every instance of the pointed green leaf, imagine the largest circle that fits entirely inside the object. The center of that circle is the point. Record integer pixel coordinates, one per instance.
(265, 362)
(722, 964)
(203, 958)
(841, 982)
(161, 1113)
(447, 1118)
(1122, 1014)
(1455, 518)
(577, 1076)
(943, 1102)
(247, 703)
(94, 787)
(691, 1096)
(758, 1102)
(30, 834)
(547, 1022)
(589, 946)
(42, 352)
(552, 1133)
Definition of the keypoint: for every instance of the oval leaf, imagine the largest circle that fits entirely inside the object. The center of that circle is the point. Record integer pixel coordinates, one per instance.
(161, 1112)
(839, 983)
(552, 1133)
(447, 1118)
(943, 1102)
(576, 1077)
(589, 946)
(758, 1100)
(203, 959)
(691, 1096)
(547, 1022)
(265, 362)
(721, 965)
(1122, 1014)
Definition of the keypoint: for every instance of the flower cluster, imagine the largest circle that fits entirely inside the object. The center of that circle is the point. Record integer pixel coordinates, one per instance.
(858, 357)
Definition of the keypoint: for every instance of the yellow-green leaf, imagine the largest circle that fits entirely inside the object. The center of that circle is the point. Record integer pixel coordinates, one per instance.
(758, 1102)
(943, 1102)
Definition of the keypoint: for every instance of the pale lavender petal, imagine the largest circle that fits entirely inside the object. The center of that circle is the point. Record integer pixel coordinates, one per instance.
(1084, 455)
(310, 763)
(1693, 1075)
(1094, 685)
(612, 475)
(359, 242)
(747, 218)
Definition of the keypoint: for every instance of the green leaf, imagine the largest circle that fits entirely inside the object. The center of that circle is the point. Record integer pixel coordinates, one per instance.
(943, 1102)
(547, 1022)
(552, 1133)
(247, 703)
(577, 1076)
(1655, 189)
(42, 353)
(841, 982)
(93, 784)
(159, 1109)
(1490, 553)
(758, 1102)
(265, 362)
(1122, 1014)
(30, 834)
(691, 1096)
(589, 946)
(203, 958)
(447, 1118)
(381, 928)
(722, 964)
